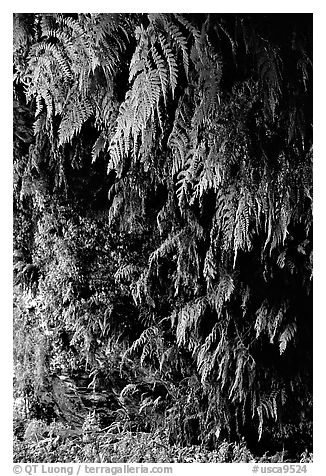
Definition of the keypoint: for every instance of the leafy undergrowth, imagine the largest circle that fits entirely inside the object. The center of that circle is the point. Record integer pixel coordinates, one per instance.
(55, 443)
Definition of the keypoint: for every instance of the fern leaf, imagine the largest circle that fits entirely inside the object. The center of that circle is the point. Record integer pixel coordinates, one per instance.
(77, 111)
(125, 273)
(98, 146)
(173, 68)
(261, 318)
(286, 336)
(210, 269)
(181, 43)
(162, 71)
(193, 30)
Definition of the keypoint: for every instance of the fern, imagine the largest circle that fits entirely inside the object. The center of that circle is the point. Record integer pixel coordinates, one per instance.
(125, 272)
(115, 208)
(98, 147)
(128, 390)
(269, 320)
(193, 30)
(210, 177)
(237, 390)
(188, 321)
(287, 335)
(210, 268)
(261, 319)
(241, 229)
(178, 143)
(171, 243)
(149, 343)
(173, 68)
(205, 359)
(209, 166)
(221, 293)
(267, 407)
(162, 71)
(269, 68)
(165, 216)
(75, 114)
(181, 43)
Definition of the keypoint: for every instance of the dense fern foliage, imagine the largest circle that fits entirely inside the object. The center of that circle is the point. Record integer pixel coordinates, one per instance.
(163, 224)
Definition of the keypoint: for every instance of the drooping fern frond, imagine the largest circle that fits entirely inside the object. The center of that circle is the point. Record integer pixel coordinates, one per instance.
(206, 359)
(126, 273)
(267, 408)
(269, 70)
(287, 335)
(172, 64)
(75, 114)
(190, 27)
(178, 143)
(171, 243)
(181, 43)
(244, 369)
(187, 323)
(210, 177)
(99, 145)
(269, 320)
(153, 75)
(221, 293)
(162, 71)
(60, 72)
(210, 270)
(150, 344)
(241, 228)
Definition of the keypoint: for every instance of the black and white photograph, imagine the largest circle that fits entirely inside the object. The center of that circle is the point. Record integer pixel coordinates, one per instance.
(162, 240)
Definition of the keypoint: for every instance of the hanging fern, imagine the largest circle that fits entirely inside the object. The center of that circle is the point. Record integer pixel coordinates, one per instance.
(204, 125)
(287, 335)
(75, 114)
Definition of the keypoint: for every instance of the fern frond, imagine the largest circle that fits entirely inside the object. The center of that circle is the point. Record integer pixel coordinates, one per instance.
(125, 273)
(261, 318)
(268, 407)
(182, 190)
(205, 359)
(149, 342)
(173, 68)
(76, 113)
(115, 208)
(269, 68)
(287, 335)
(162, 71)
(181, 43)
(237, 391)
(275, 321)
(241, 238)
(55, 52)
(221, 293)
(129, 389)
(98, 147)
(178, 143)
(210, 268)
(188, 321)
(74, 25)
(193, 30)
(164, 217)
(210, 177)
(168, 245)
